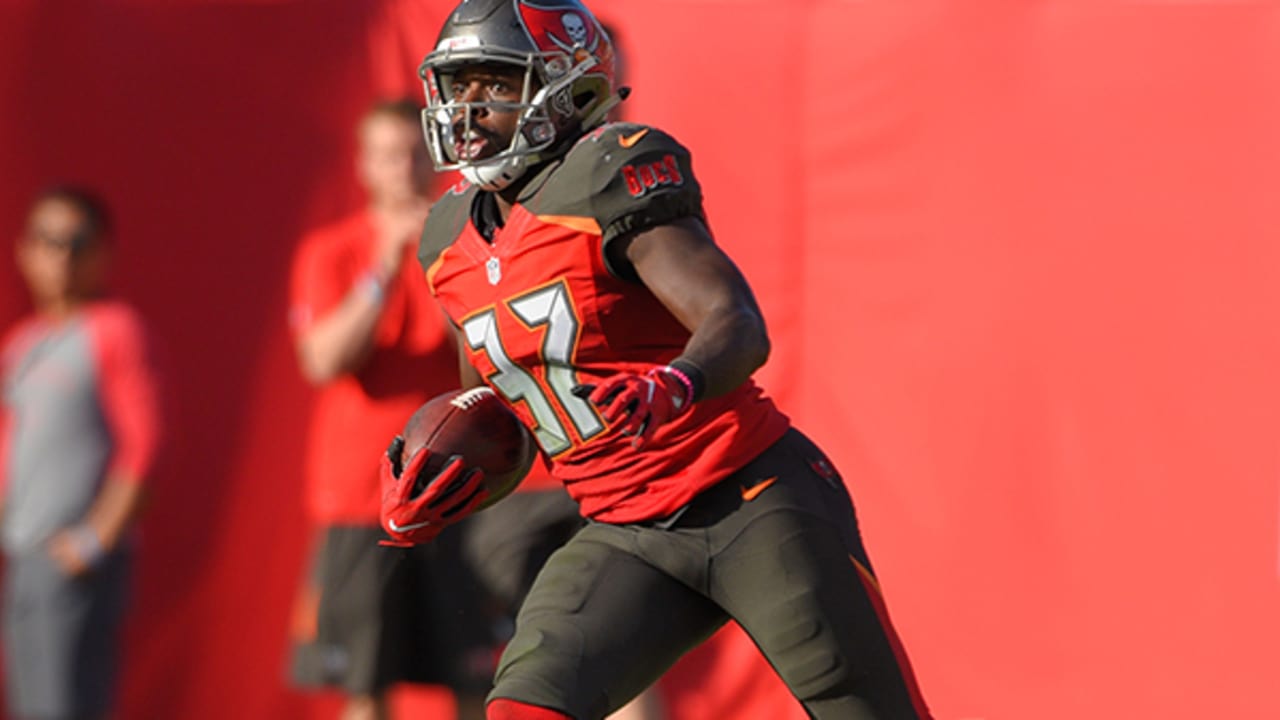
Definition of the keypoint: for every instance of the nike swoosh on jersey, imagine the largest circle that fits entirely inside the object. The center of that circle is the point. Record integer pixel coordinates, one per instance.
(406, 528)
(754, 491)
(627, 141)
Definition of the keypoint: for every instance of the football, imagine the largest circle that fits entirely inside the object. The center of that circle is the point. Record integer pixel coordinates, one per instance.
(478, 426)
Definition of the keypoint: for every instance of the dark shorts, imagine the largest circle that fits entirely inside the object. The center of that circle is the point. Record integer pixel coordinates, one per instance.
(774, 547)
(61, 635)
(390, 615)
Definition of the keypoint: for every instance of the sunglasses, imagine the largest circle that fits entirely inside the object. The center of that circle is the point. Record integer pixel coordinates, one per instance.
(75, 243)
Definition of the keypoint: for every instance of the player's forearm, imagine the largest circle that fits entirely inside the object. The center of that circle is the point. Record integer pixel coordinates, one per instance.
(727, 347)
(705, 291)
(340, 342)
(116, 509)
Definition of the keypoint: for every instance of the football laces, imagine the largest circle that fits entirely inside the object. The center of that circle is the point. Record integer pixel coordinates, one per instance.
(471, 397)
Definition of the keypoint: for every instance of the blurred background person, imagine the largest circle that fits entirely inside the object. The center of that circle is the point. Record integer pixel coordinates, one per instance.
(79, 432)
(370, 339)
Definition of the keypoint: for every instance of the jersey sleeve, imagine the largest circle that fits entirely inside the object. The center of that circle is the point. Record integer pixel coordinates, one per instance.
(642, 178)
(6, 428)
(6, 423)
(318, 282)
(11, 347)
(445, 222)
(129, 394)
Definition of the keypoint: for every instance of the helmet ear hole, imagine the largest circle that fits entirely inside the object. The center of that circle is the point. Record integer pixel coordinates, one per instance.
(540, 133)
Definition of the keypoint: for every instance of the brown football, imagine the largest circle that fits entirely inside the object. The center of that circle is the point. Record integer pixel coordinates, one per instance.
(478, 426)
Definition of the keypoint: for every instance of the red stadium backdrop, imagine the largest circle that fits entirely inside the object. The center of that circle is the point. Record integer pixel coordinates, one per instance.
(1021, 262)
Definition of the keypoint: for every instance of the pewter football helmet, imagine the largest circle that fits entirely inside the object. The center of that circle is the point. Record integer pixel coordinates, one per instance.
(568, 64)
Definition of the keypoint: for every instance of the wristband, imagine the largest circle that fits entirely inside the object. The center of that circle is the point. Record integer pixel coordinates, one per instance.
(372, 286)
(689, 375)
(88, 544)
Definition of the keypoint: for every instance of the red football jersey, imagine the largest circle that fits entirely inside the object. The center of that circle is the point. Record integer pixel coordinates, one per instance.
(541, 311)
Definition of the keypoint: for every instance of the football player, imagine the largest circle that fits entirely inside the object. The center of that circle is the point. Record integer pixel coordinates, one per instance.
(577, 266)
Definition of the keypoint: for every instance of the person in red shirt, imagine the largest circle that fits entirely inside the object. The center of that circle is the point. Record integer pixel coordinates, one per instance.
(369, 340)
(79, 434)
(585, 289)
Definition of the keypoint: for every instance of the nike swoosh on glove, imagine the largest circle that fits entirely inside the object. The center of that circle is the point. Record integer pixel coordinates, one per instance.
(640, 403)
(418, 501)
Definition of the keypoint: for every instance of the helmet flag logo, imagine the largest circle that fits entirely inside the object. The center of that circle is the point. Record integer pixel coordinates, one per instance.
(556, 30)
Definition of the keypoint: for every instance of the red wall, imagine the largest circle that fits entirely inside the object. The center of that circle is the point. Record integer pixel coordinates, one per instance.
(1020, 264)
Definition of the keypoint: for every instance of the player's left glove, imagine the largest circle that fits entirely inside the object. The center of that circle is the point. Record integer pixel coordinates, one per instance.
(417, 502)
(640, 402)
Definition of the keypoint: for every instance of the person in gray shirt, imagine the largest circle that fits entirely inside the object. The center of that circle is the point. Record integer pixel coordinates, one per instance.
(79, 429)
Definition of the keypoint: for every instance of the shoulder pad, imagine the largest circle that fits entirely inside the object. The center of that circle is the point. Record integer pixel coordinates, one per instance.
(625, 176)
(446, 221)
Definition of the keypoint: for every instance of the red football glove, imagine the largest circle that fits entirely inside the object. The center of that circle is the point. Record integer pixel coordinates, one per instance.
(418, 503)
(640, 402)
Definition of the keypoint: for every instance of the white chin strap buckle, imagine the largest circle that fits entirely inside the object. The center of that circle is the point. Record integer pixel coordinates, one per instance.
(494, 175)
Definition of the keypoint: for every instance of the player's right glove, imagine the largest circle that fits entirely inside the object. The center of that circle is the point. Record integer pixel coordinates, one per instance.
(639, 403)
(419, 502)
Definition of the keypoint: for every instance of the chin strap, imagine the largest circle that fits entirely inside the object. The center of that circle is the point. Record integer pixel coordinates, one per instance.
(496, 175)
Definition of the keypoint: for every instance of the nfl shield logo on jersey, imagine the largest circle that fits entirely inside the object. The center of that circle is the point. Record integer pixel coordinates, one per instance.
(494, 270)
